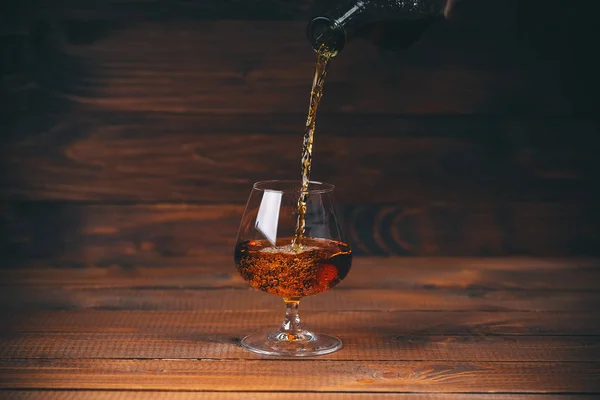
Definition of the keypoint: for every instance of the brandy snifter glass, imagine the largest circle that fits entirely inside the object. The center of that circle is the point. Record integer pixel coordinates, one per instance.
(271, 256)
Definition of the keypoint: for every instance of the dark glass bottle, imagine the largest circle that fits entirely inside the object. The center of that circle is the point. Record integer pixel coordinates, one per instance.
(392, 24)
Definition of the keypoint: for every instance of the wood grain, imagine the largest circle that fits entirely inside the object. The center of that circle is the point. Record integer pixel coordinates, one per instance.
(96, 53)
(189, 324)
(120, 157)
(223, 346)
(374, 284)
(367, 335)
(479, 140)
(169, 395)
(465, 68)
(392, 376)
(402, 351)
(183, 71)
(42, 235)
(104, 235)
(471, 275)
(342, 300)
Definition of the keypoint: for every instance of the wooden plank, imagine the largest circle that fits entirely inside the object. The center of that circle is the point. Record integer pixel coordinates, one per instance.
(112, 156)
(366, 336)
(505, 228)
(482, 62)
(104, 235)
(335, 300)
(320, 376)
(505, 132)
(477, 70)
(169, 395)
(230, 324)
(474, 276)
(78, 235)
(356, 347)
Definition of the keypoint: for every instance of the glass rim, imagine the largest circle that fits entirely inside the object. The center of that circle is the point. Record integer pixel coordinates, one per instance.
(294, 186)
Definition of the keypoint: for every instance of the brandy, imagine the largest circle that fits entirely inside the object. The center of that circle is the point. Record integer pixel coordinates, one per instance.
(323, 57)
(292, 273)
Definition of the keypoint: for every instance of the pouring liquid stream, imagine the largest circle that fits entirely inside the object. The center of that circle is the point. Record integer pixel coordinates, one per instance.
(323, 57)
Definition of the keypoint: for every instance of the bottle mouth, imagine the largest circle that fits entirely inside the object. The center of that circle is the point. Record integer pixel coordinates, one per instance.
(326, 32)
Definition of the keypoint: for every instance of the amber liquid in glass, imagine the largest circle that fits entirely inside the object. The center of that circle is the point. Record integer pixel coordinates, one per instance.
(290, 273)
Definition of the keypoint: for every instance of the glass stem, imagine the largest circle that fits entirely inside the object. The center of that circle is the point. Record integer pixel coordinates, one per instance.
(291, 328)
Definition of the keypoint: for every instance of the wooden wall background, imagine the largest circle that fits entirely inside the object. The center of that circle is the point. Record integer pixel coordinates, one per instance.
(132, 130)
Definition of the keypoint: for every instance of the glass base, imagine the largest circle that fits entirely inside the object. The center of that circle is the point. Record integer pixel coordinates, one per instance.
(301, 344)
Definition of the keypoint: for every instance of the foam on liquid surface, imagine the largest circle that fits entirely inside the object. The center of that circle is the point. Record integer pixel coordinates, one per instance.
(288, 249)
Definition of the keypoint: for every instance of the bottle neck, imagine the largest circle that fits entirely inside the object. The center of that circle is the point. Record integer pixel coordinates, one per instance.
(332, 31)
(337, 27)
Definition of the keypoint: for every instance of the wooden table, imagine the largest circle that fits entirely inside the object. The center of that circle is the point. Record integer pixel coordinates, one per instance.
(412, 327)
